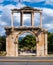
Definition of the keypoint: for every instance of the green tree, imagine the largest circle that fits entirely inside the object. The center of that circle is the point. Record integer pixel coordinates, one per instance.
(50, 42)
(28, 41)
(2, 43)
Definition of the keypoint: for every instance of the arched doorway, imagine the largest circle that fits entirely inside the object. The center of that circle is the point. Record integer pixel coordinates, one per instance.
(27, 44)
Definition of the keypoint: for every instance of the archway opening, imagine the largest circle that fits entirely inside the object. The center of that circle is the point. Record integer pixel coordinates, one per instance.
(27, 44)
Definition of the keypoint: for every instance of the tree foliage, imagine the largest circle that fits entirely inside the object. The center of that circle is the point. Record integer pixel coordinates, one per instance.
(2, 43)
(50, 42)
(28, 41)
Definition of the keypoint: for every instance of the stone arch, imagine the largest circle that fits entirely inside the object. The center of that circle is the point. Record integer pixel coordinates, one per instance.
(13, 33)
(26, 32)
(31, 32)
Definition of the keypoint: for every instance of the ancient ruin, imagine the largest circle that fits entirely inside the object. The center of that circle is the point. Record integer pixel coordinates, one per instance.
(13, 33)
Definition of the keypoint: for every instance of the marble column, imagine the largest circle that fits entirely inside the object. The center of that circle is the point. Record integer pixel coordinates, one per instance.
(46, 44)
(12, 19)
(41, 20)
(32, 19)
(21, 19)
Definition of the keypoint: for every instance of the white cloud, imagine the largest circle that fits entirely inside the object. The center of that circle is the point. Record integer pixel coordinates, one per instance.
(25, 17)
(10, 6)
(32, 0)
(1, 7)
(3, 23)
(5, 16)
(17, 17)
(48, 18)
(19, 5)
(49, 26)
(48, 11)
(25, 33)
(49, 2)
(47, 15)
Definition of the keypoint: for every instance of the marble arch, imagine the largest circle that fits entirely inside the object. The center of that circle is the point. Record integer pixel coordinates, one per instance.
(13, 32)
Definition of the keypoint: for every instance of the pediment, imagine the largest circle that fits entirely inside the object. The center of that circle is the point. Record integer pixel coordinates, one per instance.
(27, 8)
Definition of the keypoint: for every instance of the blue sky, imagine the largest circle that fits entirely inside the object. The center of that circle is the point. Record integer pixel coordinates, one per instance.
(7, 5)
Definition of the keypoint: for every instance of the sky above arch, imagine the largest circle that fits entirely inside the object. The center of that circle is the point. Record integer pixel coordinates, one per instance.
(7, 5)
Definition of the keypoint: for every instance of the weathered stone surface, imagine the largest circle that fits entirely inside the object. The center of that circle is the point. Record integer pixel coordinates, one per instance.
(13, 33)
(12, 42)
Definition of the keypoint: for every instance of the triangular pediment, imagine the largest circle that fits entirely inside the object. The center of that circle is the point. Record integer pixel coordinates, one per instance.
(27, 8)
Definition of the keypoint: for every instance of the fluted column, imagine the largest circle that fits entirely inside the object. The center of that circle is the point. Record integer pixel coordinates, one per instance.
(32, 19)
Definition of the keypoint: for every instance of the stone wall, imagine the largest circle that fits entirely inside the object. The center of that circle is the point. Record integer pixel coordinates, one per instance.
(12, 43)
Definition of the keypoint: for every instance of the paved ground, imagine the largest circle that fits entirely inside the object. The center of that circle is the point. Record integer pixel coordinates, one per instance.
(26, 60)
(26, 63)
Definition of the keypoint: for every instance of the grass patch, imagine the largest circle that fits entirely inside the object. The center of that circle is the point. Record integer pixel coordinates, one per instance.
(2, 53)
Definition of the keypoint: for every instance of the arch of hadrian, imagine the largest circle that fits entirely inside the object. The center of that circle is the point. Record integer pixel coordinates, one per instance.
(13, 32)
